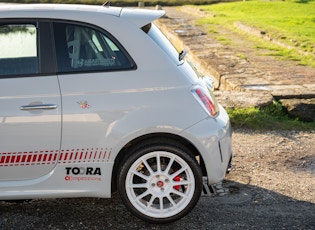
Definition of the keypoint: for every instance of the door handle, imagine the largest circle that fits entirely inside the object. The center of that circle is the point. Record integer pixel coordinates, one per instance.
(40, 106)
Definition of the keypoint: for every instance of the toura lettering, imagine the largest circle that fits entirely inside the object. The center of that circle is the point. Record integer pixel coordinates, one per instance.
(83, 171)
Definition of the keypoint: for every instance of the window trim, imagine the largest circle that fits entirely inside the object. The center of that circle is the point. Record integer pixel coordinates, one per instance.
(48, 65)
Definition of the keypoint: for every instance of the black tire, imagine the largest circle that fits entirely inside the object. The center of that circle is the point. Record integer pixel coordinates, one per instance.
(160, 181)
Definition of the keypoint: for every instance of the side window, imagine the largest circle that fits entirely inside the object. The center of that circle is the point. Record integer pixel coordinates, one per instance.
(81, 48)
(18, 49)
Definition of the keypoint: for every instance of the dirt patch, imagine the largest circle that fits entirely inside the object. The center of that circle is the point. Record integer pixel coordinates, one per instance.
(279, 161)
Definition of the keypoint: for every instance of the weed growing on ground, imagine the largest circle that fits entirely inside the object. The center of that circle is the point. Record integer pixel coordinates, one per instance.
(270, 117)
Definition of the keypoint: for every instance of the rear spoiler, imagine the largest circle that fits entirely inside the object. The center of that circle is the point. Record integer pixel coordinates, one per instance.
(141, 17)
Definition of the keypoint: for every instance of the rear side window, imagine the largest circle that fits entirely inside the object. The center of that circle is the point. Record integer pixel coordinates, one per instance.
(81, 48)
(18, 50)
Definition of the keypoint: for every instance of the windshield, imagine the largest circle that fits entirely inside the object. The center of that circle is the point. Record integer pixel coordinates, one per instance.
(159, 38)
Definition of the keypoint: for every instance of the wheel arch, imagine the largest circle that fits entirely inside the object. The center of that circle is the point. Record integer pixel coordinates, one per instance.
(139, 141)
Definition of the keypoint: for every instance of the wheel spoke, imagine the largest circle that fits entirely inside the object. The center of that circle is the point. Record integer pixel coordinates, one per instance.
(184, 182)
(141, 175)
(161, 204)
(158, 163)
(170, 164)
(150, 202)
(147, 166)
(142, 195)
(179, 172)
(179, 193)
(142, 185)
(171, 200)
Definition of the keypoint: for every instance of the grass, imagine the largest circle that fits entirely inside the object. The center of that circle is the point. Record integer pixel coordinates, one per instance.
(271, 117)
(240, 55)
(223, 40)
(289, 22)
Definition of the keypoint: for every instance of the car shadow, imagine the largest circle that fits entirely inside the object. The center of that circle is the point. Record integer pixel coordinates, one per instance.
(242, 207)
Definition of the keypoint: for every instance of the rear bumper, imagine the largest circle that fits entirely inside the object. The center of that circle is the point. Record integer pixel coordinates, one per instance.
(213, 139)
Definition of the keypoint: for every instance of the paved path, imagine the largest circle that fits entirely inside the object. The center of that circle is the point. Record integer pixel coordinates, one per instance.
(236, 66)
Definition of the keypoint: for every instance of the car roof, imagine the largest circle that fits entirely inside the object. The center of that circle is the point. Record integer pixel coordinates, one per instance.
(139, 17)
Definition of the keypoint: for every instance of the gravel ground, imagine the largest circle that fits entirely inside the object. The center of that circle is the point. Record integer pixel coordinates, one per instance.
(271, 186)
(280, 161)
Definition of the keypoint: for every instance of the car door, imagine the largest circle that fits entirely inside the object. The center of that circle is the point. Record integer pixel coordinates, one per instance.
(90, 62)
(30, 103)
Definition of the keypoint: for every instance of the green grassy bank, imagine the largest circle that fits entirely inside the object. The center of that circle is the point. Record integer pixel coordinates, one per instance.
(289, 22)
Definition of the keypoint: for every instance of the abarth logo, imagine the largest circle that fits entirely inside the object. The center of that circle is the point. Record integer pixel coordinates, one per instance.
(88, 171)
(84, 104)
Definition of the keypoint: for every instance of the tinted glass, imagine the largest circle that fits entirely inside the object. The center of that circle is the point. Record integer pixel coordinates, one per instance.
(18, 45)
(81, 48)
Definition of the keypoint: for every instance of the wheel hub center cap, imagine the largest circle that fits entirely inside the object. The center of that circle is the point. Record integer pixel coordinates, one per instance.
(160, 184)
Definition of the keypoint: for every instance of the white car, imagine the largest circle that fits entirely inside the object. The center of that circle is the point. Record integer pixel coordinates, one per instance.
(95, 99)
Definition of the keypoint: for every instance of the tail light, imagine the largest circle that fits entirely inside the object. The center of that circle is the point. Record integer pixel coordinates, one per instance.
(206, 99)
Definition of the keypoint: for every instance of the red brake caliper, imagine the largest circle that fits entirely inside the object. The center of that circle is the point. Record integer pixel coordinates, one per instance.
(177, 178)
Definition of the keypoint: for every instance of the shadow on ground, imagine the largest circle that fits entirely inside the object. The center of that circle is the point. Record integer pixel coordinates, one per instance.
(245, 207)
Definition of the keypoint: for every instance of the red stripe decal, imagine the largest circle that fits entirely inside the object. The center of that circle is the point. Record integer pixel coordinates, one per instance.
(44, 157)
